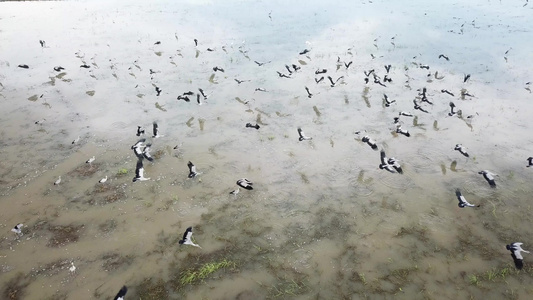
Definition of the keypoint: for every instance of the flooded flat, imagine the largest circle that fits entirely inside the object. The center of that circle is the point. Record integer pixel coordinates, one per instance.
(323, 220)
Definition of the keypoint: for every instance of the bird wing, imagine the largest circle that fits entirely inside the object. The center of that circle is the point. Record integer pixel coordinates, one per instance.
(155, 129)
(383, 158)
(120, 295)
(300, 132)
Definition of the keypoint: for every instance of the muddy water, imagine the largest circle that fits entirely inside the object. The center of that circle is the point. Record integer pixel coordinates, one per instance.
(323, 221)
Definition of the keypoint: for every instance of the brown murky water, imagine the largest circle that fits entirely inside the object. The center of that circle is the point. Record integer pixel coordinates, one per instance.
(323, 221)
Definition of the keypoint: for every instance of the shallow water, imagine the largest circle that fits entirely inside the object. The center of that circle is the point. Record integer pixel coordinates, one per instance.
(323, 221)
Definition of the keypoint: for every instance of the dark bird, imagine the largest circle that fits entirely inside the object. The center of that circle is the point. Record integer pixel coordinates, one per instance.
(249, 125)
(452, 107)
(139, 171)
(184, 98)
(516, 249)
(424, 67)
(24, 66)
(386, 100)
(85, 66)
(157, 43)
(529, 161)
(203, 94)
(370, 142)
(387, 68)
(447, 92)
(120, 295)
(403, 113)
(90, 160)
(260, 63)
(195, 42)
(385, 163)
(240, 81)
(319, 79)
(43, 43)
(395, 164)
(333, 83)
(401, 131)
(155, 129)
(59, 68)
(198, 99)
(288, 69)
(218, 69)
(309, 95)
(420, 108)
(387, 79)
(189, 93)
(462, 201)
(461, 149)
(295, 67)
(444, 56)
(187, 238)
(489, 177)
(305, 51)
(302, 135)
(366, 80)
(192, 170)
(282, 75)
(367, 73)
(158, 91)
(140, 130)
(320, 71)
(347, 65)
(465, 93)
(467, 76)
(245, 183)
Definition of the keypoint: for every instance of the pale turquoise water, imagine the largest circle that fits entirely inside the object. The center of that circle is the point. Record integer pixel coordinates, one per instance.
(323, 221)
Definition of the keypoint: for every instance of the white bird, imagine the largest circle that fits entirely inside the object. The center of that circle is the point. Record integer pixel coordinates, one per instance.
(58, 181)
(462, 201)
(17, 229)
(72, 268)
(235, 192)
(103, 179)
(187, 238)
(120, 295)
(245, 183)
(139, 172)
(90, 160)
(146, 153)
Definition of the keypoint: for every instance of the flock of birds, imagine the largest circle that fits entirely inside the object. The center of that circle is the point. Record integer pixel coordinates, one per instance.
(142, 149)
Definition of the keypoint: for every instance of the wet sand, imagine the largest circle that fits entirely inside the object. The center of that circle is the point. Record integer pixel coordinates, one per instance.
(323, 221)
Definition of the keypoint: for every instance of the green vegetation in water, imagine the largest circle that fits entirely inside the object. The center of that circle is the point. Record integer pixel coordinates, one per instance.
(122, 172)
(192, 276)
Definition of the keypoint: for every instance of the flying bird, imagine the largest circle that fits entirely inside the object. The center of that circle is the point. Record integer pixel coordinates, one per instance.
(192, 170)
(249, 125)
(401, 131)
(489, 177)
(302, 135)
(387, 68)
(156, 130)
(386, 100)
(529, 161)
(187, 238)
(103, 180)
(120, 295)
(235, 192)
(385, 162)
(85, 66)
(218, 69)
(447, 92)
(319, 79)
(444, 56)
(139, 171)
(245, 184)
(320, 71)
(146, 152)
(467, 76)
(403, 113)
(305, 51)
(261, 63)
(462, 201)
(515, 249)
(452, 107)
(24, 66)
(370, 142)
(333, 83)
(309, 95)
(140, 130)
(395, 164)
(59, 68)
(90, 160)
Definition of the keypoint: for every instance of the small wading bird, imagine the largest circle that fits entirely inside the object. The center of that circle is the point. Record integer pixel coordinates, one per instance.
(515, 249)
(120, 295)
(462, 201)
(187, 238)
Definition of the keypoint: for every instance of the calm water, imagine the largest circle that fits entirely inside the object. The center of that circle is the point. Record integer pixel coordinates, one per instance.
(323, 221)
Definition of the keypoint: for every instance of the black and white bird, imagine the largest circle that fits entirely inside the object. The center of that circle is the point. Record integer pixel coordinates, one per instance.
(461, 149)
(192, 170)
(245, 184)
(529, 161)
(139, 172)
(302, 135)
(158, 91)
(58, 181)
(137, 148)
(489, 177)
(395, 164)
(462, 201)
(235, 192)
(59, 68)
(140, 131)
(218, 69)
(386, 100)
(385, 163)
(387, 68)
(76, 140)
(516, 249)
(90, 160)
(156, 130)
(370, 142)
(447, 92)
(401, 131)
(467, 76)
(18, 229)
(120, 295)
(146, 152)
(187, 238)
(452, 111)
(320, 71)
(103, 180)
(406, 114)
(249, 125)
(261, 63)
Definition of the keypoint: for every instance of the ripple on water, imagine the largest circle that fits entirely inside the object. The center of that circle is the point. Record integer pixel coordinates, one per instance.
(428, 160)
(300, 259)
(396, 181)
